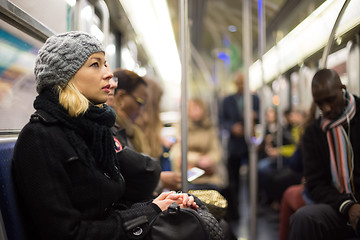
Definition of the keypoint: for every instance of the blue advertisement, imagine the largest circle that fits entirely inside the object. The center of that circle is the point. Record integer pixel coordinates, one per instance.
(17, 82)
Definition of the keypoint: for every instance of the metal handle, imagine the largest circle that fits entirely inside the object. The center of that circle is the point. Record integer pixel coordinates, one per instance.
(332, 35)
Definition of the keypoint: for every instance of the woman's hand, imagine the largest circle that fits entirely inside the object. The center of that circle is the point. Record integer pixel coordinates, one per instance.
(164, 200)
(188, 201)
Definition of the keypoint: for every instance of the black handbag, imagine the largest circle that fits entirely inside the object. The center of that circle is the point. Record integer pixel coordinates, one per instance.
(177, 223)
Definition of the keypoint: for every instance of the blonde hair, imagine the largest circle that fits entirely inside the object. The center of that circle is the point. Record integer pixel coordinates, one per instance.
(73, 100)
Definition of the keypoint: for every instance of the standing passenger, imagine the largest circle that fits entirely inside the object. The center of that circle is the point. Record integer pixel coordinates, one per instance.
(331, 150)
(233, 121)
(64, 163)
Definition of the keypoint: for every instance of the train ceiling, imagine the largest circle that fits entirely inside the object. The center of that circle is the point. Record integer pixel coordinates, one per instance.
(214, 24)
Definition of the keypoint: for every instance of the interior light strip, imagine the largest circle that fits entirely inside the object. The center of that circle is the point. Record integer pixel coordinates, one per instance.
(304, 40)
(151, 22)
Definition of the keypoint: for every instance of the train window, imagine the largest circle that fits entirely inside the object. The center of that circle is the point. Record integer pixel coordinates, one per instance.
(17, 82)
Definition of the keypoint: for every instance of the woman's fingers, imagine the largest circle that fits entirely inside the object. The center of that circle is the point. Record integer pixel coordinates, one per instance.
(183, 199)
(163, 195)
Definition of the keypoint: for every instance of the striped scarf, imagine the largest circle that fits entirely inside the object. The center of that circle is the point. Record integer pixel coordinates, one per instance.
(341, 154)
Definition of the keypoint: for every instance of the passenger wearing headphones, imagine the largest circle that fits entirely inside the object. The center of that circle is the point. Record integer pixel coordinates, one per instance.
(331, 149)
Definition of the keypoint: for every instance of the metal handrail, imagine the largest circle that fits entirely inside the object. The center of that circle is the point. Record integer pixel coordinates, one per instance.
(332, 35)
(18, 18)
(101, 5)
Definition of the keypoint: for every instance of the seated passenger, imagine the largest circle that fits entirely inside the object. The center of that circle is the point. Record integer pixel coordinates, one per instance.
(131, 97)
(65, 172)
(273, 180)
(331, 172)
(149, 121)
(142, 173)
(294, 196)
(204, 149)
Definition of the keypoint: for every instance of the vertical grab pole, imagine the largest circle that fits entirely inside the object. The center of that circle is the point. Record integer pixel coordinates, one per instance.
(184, 49)
(247, 50)
(261, 44)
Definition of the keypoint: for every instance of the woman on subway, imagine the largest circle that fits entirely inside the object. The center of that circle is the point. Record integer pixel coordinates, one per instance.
(66, 174)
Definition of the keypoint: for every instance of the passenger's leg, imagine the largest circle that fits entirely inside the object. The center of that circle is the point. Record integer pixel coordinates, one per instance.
(319, 221)
(266, 167)
(281, 180)
(232, 193)
(291, 201)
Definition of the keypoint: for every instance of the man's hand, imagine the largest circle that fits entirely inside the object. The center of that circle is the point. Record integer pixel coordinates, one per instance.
(271, 151)
(206, 163)
(237, 129)
(354, 215)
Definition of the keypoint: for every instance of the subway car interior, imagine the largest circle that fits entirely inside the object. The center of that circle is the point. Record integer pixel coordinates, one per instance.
(194, 49)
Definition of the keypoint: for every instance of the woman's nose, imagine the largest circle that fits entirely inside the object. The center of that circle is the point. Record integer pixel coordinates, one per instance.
(113, 83)
(108, 74)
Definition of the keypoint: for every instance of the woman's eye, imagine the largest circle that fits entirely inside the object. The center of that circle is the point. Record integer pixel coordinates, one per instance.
(95, 64)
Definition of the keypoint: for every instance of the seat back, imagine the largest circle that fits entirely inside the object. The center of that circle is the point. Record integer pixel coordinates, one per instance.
(8, 202)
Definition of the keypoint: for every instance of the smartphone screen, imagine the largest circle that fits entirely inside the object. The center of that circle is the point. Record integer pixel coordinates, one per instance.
(194, 173)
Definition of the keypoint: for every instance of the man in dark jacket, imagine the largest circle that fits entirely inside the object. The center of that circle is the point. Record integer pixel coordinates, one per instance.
(233, 121)
(331, 148)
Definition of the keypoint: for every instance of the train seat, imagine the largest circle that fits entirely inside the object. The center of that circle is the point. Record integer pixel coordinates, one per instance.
(14, 228)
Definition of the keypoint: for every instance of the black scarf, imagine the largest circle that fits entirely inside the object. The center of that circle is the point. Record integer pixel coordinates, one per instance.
(89, 133)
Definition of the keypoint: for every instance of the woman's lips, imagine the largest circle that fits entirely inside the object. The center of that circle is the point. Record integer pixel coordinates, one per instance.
(107, 88)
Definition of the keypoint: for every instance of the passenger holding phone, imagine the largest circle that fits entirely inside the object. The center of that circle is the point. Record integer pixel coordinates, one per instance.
(136, 97)
(204, 150)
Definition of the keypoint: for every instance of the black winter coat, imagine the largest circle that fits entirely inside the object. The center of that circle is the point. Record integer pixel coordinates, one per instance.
(237, 146)
(317, 162)
(63, 198)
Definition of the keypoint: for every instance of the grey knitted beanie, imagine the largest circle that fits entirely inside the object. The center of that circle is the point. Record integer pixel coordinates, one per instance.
(61, 57)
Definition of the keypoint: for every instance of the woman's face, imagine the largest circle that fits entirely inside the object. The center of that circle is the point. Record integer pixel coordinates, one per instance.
(113, 85)
(92, 79)
(195, 111)
(133, 102)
